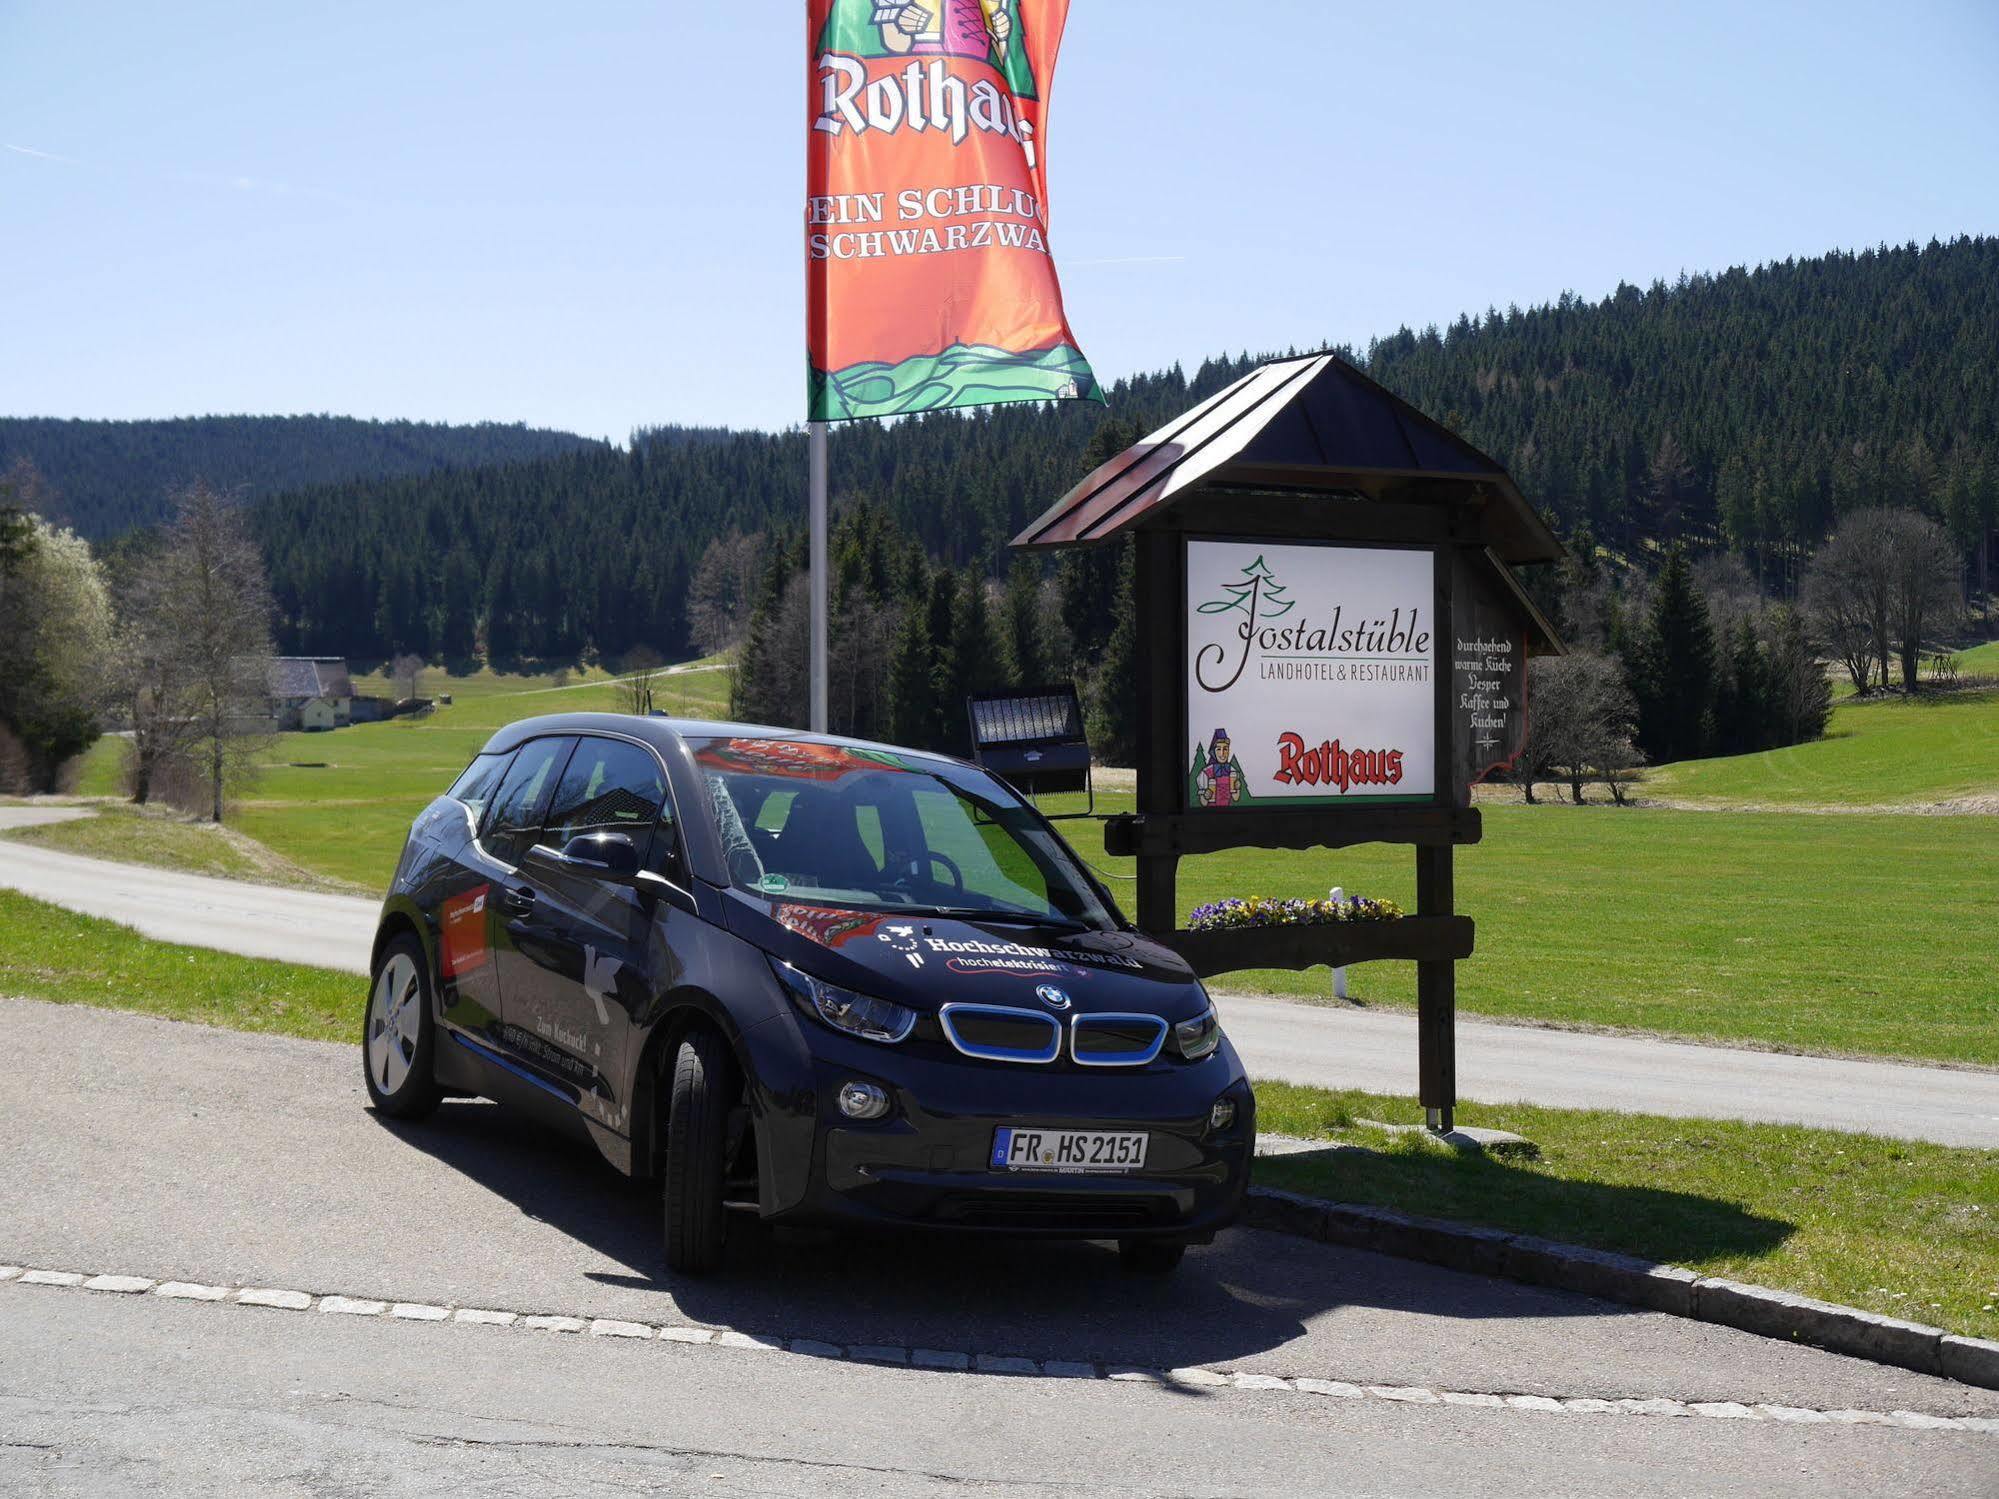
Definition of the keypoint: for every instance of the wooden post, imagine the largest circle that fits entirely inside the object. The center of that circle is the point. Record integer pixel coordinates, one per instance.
(1437, 982)
(1436, 997)
(1159, 598)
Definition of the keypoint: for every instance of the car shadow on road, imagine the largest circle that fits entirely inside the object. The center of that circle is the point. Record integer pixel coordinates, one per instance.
(1247, 1294)
(1674, 1227)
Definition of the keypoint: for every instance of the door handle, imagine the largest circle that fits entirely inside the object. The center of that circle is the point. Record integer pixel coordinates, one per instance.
(519, 899)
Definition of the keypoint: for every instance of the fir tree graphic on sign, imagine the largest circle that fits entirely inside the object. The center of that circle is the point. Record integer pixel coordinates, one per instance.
(1259, 594)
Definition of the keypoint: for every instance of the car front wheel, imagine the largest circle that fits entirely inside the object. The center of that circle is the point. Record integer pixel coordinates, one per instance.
(398, 1034)
(697, 1128)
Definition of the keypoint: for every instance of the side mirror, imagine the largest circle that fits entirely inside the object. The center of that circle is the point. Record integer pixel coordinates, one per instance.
(611, 856)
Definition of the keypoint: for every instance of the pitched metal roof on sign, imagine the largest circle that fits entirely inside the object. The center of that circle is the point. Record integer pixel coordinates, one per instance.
(1313, 423)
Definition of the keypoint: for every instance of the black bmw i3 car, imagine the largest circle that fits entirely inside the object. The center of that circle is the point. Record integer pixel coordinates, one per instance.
(807, 979)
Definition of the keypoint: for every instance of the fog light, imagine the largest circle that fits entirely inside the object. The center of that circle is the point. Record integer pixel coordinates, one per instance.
(860, 1100)
(1222, 1115)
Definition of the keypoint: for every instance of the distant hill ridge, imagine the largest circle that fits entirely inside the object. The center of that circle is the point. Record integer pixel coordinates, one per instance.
(1745, 409)
(110, 476)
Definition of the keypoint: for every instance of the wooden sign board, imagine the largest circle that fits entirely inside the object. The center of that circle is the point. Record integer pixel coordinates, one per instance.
(1488, 655)
(1310, 675)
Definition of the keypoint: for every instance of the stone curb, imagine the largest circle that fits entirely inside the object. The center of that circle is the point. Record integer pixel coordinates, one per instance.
(1628, 1279)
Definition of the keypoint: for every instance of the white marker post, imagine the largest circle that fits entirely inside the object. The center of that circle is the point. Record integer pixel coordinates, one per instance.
(816, 560)
(1339, 974)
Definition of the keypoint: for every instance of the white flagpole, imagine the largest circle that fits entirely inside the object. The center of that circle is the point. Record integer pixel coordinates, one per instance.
(816, 504)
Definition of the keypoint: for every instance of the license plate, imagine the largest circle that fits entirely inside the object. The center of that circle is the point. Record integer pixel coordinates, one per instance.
(1016, 1149)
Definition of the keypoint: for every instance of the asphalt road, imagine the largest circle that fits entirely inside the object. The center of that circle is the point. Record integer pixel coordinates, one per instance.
(1351, 1048)
(153, 1149)
(260, 921)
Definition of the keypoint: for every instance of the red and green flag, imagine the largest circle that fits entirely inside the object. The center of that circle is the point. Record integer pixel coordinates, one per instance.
(929, 282)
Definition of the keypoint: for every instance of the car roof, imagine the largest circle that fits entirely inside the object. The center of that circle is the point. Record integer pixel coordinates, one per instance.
(662, 732)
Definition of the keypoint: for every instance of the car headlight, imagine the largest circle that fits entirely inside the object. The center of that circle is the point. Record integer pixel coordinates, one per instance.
(857, 1014)
(1196, 1038)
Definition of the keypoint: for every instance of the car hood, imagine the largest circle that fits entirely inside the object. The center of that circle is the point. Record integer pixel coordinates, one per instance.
(929, 961)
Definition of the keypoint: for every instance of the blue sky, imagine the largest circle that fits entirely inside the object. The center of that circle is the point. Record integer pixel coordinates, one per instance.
(587, 216)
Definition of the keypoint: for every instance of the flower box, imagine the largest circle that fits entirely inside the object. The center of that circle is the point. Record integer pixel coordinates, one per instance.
(1337, 944)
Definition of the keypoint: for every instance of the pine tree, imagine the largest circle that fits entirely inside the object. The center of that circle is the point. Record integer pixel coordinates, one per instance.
(1086, 577)
(503, 643)
(976, 640)
(940, 617)
(911, 666)
(1112, 710)
(970, 664)
(1021, 626)
(1674, 683)
(1742, 710)
(758, 680)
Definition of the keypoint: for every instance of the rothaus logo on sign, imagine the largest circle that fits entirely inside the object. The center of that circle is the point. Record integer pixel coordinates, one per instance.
(1310, 673)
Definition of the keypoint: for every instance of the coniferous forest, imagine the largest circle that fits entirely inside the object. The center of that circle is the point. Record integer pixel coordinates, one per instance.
(1746, 411)
(112, 476)
(1740, 414)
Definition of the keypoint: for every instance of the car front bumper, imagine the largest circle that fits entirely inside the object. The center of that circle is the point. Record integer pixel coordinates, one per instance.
(928, 1162)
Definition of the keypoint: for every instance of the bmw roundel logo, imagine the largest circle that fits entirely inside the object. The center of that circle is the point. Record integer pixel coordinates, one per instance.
(1054, 998)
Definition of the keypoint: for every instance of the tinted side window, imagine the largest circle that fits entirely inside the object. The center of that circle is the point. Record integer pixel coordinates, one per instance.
(514, 818)
(475, 787)
(610, 786)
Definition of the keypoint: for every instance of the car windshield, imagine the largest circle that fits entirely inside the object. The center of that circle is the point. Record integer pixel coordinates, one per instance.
(878, 830)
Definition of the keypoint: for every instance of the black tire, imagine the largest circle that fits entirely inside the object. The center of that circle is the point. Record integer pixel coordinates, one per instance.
(1150, 1256)
(398, 1035)
(697, 1129)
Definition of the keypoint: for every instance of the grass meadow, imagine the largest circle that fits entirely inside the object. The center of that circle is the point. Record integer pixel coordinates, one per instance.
(56, 955)
(1878, 751)
(338, 803)
(1893, 1226)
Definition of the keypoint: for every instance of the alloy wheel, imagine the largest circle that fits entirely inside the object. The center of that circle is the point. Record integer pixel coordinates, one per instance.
(394, 1017)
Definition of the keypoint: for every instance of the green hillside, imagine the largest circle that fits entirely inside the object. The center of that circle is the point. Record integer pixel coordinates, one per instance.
(1748, 408)
(1877, 752)
(111, 476)
(338, 803)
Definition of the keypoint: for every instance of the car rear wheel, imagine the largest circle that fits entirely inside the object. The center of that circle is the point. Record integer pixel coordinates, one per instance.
(1150, 1256)
(397, 1036)
(697, 1129)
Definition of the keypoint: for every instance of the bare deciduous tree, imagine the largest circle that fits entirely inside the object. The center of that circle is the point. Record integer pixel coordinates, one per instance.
(642, 670)
(150, 678)
(724, 591)
(1851, 592)
(407, 669)
(1835, 603)
(195, 639)
(1800, 695)
(1885, 584)
(1580, 722)
(1928, 595)
(1724, 580)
